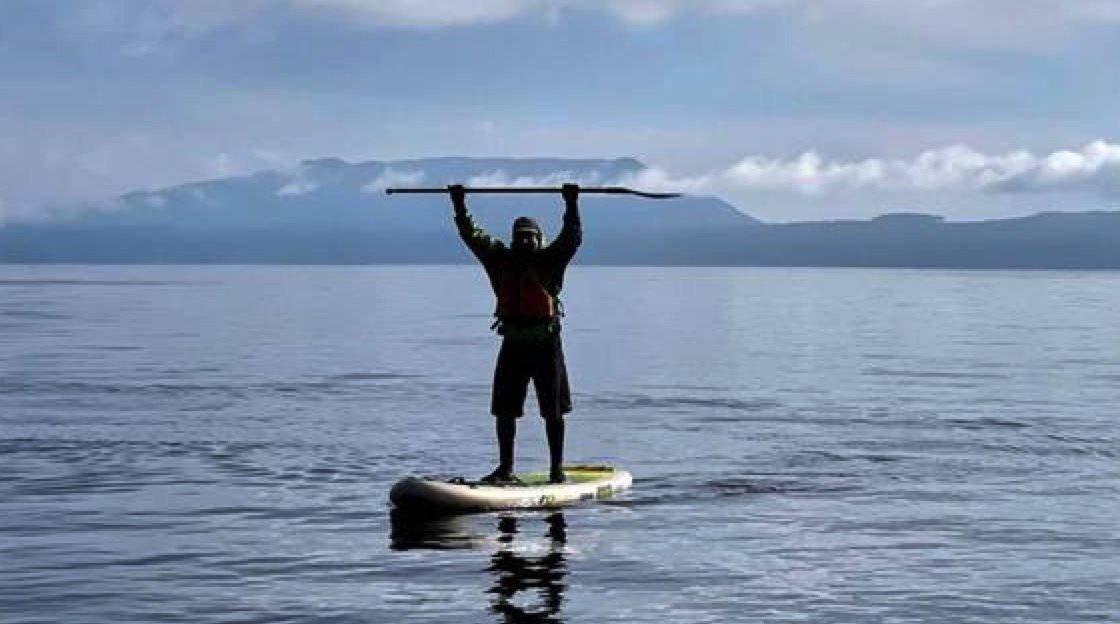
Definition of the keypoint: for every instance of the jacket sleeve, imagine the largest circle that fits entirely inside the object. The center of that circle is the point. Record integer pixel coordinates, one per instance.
(570, 236)
(481, 244)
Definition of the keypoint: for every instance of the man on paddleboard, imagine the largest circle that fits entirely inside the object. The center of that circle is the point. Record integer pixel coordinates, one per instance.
(526, 278)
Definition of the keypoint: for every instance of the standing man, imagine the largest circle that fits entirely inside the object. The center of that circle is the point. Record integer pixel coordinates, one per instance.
(526, 278)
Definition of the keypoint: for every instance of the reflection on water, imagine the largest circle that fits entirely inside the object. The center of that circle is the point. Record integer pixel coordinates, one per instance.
(518, 571)
(528, 573)
(412, 531)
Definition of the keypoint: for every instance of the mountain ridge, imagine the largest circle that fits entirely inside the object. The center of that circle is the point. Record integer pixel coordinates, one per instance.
(328, 210)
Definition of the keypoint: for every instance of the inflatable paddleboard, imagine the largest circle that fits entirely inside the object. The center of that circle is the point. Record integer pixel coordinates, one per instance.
(584, 483)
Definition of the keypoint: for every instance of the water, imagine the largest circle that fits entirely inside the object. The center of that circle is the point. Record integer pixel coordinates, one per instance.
(214, 444)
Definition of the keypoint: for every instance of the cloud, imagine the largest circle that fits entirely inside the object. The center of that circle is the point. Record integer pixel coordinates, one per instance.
(297, 186)
(949, 21)
(424, 13)
(156, 20)
(440, 13)
(1095, 169)
(393, 177)
(954, 170)
(502, 179)
(956, 180)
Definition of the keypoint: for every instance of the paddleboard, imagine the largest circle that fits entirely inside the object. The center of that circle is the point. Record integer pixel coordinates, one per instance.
(584, 483)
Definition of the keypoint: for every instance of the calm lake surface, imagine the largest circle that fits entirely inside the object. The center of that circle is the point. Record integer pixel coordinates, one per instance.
(215, 444)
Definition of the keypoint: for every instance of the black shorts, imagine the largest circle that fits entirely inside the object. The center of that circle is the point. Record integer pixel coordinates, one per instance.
(542, 362)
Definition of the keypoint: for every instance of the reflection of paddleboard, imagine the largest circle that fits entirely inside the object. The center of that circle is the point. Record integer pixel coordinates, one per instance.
(408, 531)
(585, 483)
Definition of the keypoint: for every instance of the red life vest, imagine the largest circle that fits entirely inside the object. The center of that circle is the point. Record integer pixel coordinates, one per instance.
(522, 295)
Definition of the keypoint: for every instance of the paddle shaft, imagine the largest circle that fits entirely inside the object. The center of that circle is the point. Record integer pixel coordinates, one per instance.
(609, 190)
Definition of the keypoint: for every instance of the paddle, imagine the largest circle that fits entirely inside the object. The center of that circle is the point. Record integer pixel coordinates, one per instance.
(609, 190)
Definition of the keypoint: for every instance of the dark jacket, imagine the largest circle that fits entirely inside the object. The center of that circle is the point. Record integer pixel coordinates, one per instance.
(502, 265)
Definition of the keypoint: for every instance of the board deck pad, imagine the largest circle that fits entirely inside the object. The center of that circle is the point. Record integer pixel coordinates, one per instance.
(584, 483)
(573, 475)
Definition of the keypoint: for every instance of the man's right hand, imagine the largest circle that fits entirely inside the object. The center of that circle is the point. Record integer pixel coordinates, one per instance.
(458, 195)
(570, 193)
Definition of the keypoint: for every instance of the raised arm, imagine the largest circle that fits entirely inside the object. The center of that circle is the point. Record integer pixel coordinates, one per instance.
(571, 233)
(481, 244)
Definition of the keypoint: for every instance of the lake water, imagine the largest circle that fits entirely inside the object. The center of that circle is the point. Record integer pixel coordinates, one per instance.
(215, 444)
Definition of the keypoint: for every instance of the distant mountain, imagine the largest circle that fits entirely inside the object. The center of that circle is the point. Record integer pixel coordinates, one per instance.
(331, 194)
(1056, 240)
(332, 212)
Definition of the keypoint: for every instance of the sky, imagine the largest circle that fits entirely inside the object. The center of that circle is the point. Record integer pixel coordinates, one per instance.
(790, 109)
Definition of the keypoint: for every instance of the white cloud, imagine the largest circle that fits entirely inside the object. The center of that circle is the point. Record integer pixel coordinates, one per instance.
(297, 186)
(955, 181)
(1095, 168)
(392, 177)
(500, 178)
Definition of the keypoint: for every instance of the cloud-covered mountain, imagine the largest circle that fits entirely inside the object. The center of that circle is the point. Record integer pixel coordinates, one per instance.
(329, 211)
(331, 194)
